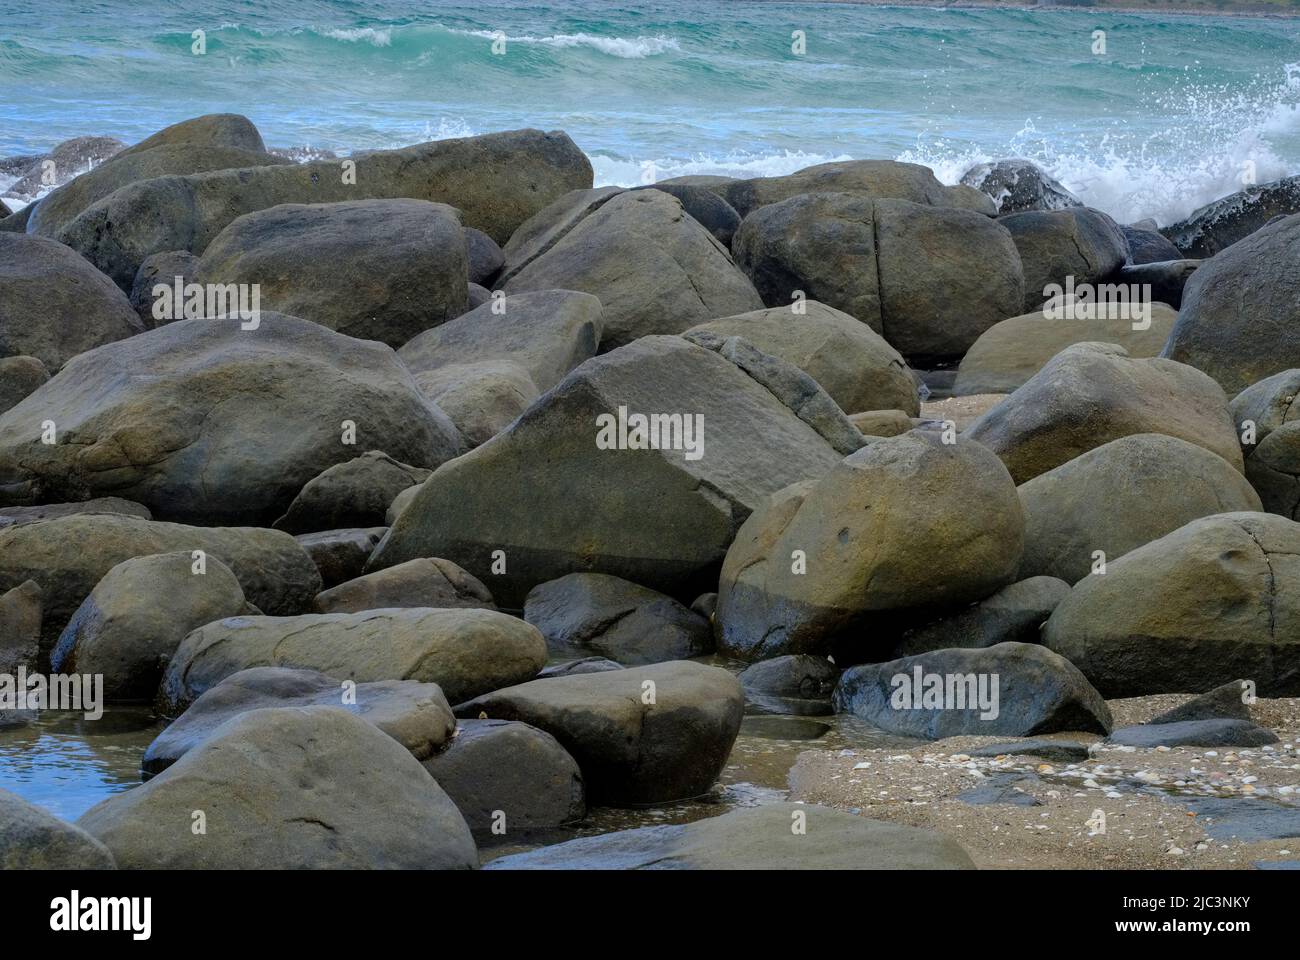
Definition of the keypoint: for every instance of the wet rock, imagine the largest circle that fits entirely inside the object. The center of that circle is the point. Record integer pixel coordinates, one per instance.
(593, 613)
(1019, 185)
(1166, 278)
(1195, 733)
(137, 616)
(1226, 702)
(1223, 222)
(947, 693)
(1092, 393)
(509, 776)
(643, 735)
(296, 788)
(754, 838)
(414, 714)
(424, 582)
(31, 839)
(465, 652)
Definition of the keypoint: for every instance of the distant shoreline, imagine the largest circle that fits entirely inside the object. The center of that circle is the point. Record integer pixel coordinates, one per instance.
(1182, 8)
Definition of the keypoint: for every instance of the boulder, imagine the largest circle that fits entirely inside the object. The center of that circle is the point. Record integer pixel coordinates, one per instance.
(1216, 599)
(1054, 245)
(705, 207)
(69, 555)
(1148, 246)
(201, 420)
(497, 181)
(1225, 702)
(16, 516)
(881, 423)
(1219, 224)
(481, 399)
(572, 668)
(288, 789)
(32, 839)
(1013, 614)
(465, 652)
(493, 508)
(414, 714)
(653, 267)
(399, 504)
(20, 627)
(37, 173)
(545, 333)
(341, 555)
(1092, 393)
(906, 525)
(1119, 496)
(545, 228)
(869, 179)
(506, 777)
(1010, 352)
(946, 276)
(1194, 733)
(1019, 185)
(585, 614)
(1267, 415)
(483, 257)
(423, 582)
(476, 296)
(1237, 320)
(851, 362)
(355, 493)
(754, 838)
(19, 377)
(1053, 751)
(644, 735)
(137, 616)
(54, 305)
(794, 684)
(1165, 278)
(161, 269)
(1011, 689)
(381, 270)
(212, 142)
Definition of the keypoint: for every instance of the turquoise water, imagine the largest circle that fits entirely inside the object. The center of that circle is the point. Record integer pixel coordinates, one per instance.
(1162, 122)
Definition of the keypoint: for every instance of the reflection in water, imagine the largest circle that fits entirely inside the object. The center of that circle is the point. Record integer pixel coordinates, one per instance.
(67, 764)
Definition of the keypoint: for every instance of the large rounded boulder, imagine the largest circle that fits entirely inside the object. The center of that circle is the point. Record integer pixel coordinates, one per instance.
(1092, 393)
(1268, 421)
(905, 525)
(1215, 600)
(54, 305)
(374, 269)
(653, 267)
(1055, 245)
(216, 421)
(1237, 322)
(287, 789)
(1122, 495)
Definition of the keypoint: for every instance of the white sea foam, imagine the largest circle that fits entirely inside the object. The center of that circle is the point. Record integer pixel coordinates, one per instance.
(377, 38)
(620, 172)
(635, 48)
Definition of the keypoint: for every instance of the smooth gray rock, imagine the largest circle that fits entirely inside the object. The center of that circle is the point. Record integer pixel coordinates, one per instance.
(506, 777)
(17, 516)
(31, 839)
(341, 555)
(355, 493)
(1057, 751)
(414, 714)
(1076, 242)
(1226, 702)
(1267, 416)
(20, 627)
(290, 788)
(19, 377)
(423, 582)
(754, 838)
(1195, 733)
(1014, 613)
(573, 668)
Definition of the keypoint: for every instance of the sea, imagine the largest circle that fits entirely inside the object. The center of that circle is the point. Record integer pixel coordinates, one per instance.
(1141, 115)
